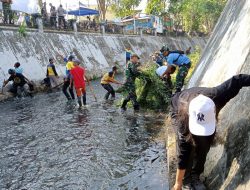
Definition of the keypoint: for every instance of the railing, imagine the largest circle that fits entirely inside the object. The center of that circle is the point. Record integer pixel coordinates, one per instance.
(14, 18)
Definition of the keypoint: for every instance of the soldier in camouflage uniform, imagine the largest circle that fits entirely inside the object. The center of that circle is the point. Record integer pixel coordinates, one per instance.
(131, 73)
(7, 13)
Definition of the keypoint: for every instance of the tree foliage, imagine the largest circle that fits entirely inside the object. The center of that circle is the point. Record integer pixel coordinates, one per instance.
(124, 8)
(156, 7)
(196, 15)
(103, 7)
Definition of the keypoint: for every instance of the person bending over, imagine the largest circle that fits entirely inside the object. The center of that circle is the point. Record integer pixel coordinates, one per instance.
(18, 82)
(106, 80)
(194, 112)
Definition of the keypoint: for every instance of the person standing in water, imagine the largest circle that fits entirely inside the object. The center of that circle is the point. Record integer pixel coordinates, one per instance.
(67, 85)
(51, 73)
(106, 80)
(78, 77)
(194, 114)
(132, 72)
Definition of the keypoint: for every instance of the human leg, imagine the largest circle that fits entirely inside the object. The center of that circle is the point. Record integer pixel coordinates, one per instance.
(52, 81)
(71, 91)
(112, 91)
(13, 89)
(79, 96)
(64, 22)
(124, 103)
(5, 16)
(133, 98)
(83, 95)
(106, 87)
(181, 75)
(64, 89)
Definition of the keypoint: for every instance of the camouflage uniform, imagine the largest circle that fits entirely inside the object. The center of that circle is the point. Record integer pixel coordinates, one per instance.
(169, 87)
(131, 74)
(7, 13)
(180, 77)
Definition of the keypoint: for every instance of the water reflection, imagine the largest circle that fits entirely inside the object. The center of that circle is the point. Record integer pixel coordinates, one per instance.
(47, 143)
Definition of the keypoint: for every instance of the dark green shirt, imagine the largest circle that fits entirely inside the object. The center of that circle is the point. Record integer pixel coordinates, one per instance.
(132, 72)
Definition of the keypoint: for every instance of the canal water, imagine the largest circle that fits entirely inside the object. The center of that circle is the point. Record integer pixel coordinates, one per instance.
(47, 143)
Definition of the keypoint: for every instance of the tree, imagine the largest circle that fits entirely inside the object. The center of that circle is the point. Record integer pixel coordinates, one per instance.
(103, 6)
(196, 15)
(156, 7)
(124, 8)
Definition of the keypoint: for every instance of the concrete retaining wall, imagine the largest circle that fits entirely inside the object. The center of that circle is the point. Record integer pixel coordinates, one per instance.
(227, 54)
(97, 52)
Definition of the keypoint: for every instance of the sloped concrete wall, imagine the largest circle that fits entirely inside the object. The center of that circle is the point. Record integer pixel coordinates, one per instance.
(226, 54)
(97, 52)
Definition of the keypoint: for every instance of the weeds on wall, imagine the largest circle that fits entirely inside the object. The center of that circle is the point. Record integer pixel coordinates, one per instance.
(22, 30)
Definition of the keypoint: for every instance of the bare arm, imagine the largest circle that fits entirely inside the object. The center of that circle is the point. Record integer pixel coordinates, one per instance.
(5, 82)
(178, 181)
(114, 81)
(167, 72)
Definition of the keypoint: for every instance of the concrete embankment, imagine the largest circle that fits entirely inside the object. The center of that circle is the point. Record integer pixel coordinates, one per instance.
(97, 52)
(226, 54)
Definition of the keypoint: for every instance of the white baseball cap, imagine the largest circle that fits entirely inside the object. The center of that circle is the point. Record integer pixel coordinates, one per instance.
(202, 119)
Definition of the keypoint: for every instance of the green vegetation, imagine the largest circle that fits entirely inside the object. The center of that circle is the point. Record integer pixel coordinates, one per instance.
(22, 30)
(196, 15)
(150, 89)
(156, 7)
(188, 15)
(123, 8)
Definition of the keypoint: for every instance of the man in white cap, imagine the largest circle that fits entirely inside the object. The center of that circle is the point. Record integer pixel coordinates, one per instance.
(194, 112)
(166, 78)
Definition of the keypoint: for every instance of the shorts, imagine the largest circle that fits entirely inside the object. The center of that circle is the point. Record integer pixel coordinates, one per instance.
(80, 91)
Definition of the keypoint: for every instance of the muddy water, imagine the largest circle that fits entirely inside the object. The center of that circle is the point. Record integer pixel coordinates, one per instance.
(47, 143)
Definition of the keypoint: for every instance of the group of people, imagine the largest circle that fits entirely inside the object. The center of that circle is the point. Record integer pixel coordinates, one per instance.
(55, 15)
(167, 61)
(194, 111)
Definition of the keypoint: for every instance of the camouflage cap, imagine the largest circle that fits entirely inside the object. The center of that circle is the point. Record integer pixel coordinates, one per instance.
(135, 55)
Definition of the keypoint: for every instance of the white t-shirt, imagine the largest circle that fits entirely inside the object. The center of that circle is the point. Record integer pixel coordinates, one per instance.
(160, 70)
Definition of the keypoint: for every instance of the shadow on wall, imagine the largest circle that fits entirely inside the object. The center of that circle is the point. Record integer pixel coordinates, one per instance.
(235, 171)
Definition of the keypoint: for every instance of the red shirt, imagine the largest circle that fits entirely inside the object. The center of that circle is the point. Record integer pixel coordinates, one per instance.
(78, 74)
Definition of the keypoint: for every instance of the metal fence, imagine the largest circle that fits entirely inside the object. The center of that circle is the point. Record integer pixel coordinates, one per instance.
(15, 18)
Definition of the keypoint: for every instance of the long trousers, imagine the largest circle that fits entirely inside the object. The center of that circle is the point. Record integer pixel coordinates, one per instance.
(110, 90)
(65, 88)
(181, 75)
(131, 96)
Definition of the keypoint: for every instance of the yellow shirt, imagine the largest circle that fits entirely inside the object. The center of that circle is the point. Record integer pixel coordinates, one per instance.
(106, 79)
(50, 71)
(70, 65)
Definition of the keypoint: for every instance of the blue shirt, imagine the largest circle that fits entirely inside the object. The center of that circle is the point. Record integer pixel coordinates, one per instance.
(182, 60)
(128, 54)
(19, 70)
